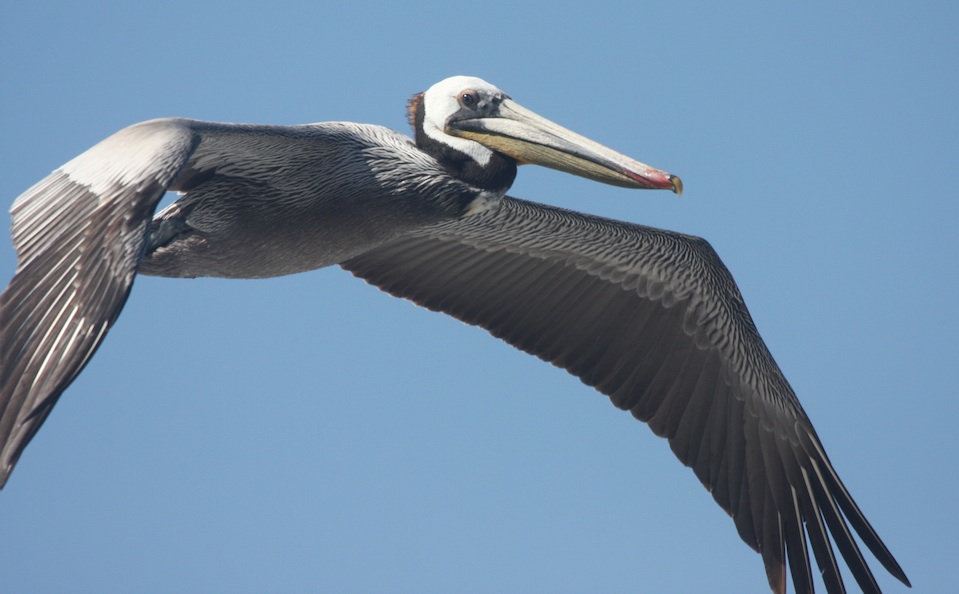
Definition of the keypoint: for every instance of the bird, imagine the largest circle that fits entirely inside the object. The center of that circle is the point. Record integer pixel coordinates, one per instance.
(651, 318)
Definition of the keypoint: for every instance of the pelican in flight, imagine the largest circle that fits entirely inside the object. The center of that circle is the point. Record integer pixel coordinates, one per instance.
(651, 318)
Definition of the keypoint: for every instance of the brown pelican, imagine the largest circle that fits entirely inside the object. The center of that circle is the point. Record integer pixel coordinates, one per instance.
(650, 318)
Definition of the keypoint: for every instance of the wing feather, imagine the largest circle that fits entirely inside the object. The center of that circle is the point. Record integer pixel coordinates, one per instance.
(78, 235)
(653, 320)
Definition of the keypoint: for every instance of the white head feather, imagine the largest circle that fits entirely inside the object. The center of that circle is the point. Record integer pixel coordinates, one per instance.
(441, 101)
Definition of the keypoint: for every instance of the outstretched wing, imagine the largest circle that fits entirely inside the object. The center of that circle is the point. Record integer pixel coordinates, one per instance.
(654, 320)
(78, 234)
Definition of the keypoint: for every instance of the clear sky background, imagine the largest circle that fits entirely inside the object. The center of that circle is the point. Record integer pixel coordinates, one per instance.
(310, 433)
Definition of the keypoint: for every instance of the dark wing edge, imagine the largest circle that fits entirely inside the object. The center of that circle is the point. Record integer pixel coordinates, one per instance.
(653, 320)
(79, 235)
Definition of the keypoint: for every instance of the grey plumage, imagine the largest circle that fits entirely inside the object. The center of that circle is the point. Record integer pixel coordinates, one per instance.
(651, 318)
(273, 200)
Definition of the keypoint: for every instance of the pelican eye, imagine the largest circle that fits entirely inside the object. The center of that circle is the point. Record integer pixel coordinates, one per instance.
(469, 98)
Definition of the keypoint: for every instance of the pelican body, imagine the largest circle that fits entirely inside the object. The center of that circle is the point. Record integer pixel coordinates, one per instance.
(649, 317)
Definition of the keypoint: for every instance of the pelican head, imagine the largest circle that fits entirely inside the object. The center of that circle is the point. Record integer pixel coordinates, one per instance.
(481, 135)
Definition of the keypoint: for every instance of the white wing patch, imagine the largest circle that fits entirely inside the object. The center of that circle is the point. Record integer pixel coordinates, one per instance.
(142, 152)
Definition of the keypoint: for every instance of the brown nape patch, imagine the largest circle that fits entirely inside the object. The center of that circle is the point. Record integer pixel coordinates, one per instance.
(411, 108)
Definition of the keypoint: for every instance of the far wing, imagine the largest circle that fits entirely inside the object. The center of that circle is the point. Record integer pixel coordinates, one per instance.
(78, 234)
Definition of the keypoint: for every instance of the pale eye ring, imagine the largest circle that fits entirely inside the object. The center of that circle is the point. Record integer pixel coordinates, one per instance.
(469, 98)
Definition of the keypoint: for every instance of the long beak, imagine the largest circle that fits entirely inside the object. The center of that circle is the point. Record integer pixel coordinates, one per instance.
(521, 134)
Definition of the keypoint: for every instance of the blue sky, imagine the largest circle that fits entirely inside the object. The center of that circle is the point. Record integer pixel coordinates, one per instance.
(309, 433)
